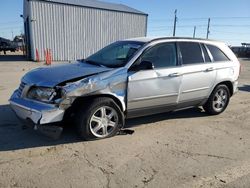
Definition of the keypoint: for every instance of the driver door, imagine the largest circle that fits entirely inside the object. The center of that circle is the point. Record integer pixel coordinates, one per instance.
(156, 90)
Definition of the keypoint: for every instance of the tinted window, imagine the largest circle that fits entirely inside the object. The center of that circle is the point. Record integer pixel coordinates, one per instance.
(206, 56)
(161, 55)
(217, 54)
(191, 53)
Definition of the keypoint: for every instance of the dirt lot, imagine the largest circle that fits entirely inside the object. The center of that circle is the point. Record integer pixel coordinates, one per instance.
(181, 149)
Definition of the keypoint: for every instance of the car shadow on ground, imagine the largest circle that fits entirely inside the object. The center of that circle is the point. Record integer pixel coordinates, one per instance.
(246, 59)
(182, 114)
(245, 88)
(12, 58)
(14, 137)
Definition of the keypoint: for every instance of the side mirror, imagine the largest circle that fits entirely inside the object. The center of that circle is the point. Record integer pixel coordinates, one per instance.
(146, 65)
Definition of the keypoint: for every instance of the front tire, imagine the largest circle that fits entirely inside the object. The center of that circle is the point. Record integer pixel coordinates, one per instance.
(218, 100)
(102, 118)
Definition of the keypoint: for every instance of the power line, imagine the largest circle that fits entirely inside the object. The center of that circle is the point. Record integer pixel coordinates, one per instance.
(178, 26)
(10, 28)
(187, 19)
(157, 30)
(217, 25)
(229, 39)
(212, 25)
(198, 18)
(192, 26)
(160, 20)
(247, 17)
(161, 27)
(5, 23)
(229, 32)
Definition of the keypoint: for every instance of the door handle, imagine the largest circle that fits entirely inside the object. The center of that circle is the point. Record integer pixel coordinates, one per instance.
(209, 69)
(176, 74)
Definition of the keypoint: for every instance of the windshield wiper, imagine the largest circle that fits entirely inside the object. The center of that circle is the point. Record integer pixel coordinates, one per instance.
(93, 63)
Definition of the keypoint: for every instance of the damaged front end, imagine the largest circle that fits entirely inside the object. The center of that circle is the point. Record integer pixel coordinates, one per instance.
(36, 114)
(112, 83)
(41, 106)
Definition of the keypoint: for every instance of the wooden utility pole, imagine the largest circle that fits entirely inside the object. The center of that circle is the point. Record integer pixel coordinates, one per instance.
(175, 20)
(208, 27)
(194, 31)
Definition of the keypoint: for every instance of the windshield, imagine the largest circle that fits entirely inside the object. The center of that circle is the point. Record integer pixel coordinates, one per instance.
(116, 54)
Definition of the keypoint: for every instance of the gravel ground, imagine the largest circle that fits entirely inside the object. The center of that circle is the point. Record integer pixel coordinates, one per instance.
(180, 149)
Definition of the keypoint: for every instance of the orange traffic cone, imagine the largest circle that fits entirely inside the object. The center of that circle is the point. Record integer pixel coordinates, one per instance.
(37, 56)
(50, 57)
(47, 62)
(45, 56)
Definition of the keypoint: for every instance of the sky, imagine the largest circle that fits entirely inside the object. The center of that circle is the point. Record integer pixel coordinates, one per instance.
(230, 19)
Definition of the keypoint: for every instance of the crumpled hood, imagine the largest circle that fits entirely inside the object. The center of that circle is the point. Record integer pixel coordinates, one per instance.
(52, 76)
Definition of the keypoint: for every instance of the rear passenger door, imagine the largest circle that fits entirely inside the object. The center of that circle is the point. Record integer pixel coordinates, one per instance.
(198, 73)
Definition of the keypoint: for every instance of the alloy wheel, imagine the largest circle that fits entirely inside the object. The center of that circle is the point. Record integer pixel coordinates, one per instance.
(103, 121)
(220, 100)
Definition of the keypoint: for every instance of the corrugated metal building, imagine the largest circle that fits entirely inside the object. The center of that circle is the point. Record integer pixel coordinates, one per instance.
(74, 29)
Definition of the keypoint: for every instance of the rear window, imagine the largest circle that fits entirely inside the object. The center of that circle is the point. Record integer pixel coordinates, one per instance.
(217, 54)
(191, 53)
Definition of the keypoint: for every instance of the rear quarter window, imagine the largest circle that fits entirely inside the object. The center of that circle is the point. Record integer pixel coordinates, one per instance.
(217, 54)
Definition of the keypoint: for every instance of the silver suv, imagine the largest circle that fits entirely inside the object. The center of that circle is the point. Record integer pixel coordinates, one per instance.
(126, 79)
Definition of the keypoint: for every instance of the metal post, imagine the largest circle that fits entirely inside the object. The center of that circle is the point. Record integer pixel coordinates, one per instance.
(194, 31)
(175, 20)
(23, 46)
(208, 27)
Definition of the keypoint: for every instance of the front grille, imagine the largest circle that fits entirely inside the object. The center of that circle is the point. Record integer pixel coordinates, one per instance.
(20, 89)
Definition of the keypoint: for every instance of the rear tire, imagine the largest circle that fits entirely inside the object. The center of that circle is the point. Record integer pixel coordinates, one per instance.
(102, 118)
(218, 100)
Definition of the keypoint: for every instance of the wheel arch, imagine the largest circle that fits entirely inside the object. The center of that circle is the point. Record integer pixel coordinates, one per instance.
(87, 99)
(229, 84)
(85, 107)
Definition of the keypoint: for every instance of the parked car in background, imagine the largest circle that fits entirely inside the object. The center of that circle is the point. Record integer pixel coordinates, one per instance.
(7, 45)
(129, 78)
(242, 51)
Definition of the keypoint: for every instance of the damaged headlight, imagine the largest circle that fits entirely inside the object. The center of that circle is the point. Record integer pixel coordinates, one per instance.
(42, 94)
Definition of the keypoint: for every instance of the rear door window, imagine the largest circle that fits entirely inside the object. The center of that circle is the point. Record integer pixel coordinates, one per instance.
(191, 53)
(217, 54)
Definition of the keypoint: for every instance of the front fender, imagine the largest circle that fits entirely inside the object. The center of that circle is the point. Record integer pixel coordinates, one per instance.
(113, 83)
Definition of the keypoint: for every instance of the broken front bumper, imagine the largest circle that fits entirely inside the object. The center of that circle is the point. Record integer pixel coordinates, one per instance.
(39, 113)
